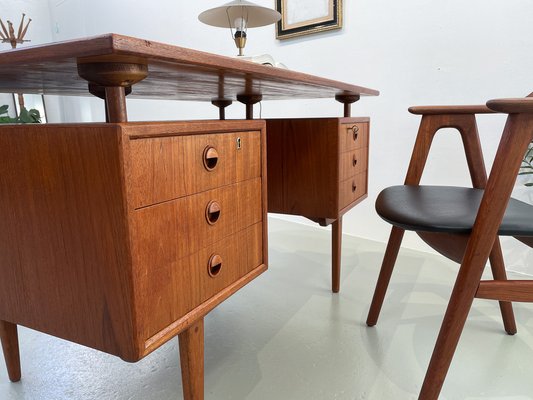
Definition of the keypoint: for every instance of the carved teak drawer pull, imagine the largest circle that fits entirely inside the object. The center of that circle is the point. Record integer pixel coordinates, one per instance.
(354, 187)
(354, 160)
(355, 130)
(210, 158)
(212, 212)
(214, 265)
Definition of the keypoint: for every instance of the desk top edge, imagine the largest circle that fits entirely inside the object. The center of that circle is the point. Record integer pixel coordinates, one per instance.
(155, 52)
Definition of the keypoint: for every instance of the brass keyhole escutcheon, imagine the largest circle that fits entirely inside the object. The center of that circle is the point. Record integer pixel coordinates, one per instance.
(355, 131)
(239, 143)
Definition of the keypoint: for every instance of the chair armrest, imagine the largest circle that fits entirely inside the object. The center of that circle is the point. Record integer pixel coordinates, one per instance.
(512, 106)
(439, 110)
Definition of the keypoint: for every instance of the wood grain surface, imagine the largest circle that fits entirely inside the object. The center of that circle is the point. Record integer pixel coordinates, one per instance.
(173, 72)
(311, 165)
(79, 260)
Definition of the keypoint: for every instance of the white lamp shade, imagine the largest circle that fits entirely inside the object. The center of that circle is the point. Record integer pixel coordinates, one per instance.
(224, 16)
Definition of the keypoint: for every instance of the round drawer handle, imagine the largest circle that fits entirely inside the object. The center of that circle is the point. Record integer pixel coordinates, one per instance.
(212, 212)
(214, 265)
(210, 158)
(354, 160)
(355, 130)
(354, 187)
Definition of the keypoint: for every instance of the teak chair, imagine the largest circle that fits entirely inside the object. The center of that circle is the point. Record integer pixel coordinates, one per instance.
(462, 223)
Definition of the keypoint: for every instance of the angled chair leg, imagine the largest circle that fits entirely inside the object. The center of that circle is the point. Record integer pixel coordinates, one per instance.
(452, 325)
(453, 247)
(498, 272)
(455, 318)
(389, 259)
(10, 346)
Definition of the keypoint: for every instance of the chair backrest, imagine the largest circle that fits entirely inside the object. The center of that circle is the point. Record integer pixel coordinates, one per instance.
(517, 135)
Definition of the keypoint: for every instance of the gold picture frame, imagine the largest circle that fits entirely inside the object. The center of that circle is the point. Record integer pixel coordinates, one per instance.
(305, 17)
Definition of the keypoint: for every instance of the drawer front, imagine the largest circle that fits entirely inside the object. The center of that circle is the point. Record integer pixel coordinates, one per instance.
(352, 163)
(166, 168)
(353, 136)
(352, 189)
(175, 229)
(175, 288)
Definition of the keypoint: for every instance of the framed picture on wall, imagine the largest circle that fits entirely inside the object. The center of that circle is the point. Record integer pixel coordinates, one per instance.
(304, 17)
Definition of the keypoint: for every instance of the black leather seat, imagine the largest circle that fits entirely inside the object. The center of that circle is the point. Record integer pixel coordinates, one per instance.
(447, 209)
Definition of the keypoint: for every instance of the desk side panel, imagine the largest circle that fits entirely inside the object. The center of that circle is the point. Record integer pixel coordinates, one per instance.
(302, 167)
(64, 260)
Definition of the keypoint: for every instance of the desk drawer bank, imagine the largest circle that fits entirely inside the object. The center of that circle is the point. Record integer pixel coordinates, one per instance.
(121, 236)
(318, 168)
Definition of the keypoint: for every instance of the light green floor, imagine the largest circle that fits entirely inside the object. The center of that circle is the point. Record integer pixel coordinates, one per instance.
(286, 337)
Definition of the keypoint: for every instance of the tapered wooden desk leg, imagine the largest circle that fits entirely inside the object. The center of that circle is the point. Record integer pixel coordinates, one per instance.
(389, 259)
(192, 361)
(10, 346)
(336, 245)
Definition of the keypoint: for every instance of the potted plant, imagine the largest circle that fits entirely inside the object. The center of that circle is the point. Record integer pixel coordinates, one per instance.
(25, 116)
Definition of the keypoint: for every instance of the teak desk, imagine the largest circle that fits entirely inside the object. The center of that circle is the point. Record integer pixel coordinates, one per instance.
(120, 236)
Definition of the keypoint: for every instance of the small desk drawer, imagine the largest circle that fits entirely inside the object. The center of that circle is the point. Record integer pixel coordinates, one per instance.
(353, 136)
(353, 162)
(352, 189)
(166, 168)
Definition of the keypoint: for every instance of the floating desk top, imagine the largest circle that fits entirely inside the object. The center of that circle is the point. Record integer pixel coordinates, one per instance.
(174, 73)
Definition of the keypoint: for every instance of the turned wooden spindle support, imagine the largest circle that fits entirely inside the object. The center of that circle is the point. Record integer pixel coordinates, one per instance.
(249, 100)
(114, 77)
(221, 104)
(347, 100)
(99, 91)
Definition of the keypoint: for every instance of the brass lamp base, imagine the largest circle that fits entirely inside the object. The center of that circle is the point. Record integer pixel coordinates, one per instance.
(240, 42)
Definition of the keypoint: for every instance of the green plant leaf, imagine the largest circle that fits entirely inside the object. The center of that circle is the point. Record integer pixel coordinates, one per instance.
(24, 116)
(32, 116)
(35, 115)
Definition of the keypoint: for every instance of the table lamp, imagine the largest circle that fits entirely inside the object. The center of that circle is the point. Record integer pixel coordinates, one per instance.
(239, 15)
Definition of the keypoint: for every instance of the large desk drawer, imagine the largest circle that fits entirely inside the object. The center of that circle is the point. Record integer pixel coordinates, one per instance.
(166, 168)
(172, 230)
(174, 288)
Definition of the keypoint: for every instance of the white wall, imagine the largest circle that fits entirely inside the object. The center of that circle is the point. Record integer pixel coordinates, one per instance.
(38, 31)
(415, 52)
